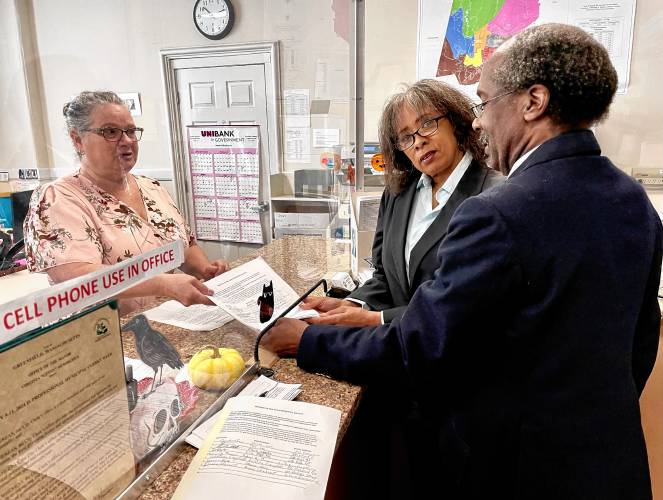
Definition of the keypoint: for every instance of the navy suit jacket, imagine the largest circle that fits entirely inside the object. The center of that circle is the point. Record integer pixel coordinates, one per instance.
(538, 332)
(389, 290)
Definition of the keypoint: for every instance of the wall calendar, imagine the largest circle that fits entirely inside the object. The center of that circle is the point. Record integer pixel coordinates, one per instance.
(224, 165)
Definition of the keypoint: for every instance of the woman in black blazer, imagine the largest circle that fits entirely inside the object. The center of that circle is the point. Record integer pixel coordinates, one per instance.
(434, 161)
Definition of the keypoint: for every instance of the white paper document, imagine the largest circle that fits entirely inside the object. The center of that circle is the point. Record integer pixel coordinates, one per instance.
(297, 144)
(240, 290)
(325, 137)
(297, 105)
(198, 317)
(261, 387)
(267, 448)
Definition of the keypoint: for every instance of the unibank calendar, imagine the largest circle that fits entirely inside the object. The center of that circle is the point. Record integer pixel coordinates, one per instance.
(225, 174)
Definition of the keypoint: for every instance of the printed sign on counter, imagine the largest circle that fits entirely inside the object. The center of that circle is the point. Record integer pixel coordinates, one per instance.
(46, 306)
(64, 423)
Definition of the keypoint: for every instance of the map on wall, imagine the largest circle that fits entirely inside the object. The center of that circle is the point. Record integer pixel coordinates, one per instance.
(456, 37)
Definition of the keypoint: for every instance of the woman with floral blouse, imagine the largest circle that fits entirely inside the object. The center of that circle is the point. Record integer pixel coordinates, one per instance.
(103, 214)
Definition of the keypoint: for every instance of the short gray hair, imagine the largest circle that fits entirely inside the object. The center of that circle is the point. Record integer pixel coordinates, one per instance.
(77, 111)
(569, 62)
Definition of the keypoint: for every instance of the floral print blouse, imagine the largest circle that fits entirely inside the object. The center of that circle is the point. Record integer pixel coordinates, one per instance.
(73, 220)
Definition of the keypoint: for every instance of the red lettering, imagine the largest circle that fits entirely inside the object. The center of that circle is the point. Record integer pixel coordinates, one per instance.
(35, 309)
(19, 317)
(5, 320)
(51, 301)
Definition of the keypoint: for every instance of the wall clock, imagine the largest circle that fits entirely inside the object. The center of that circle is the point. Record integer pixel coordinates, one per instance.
(213, 18)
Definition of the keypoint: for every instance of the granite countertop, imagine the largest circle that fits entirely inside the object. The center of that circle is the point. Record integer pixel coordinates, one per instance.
(300, 261)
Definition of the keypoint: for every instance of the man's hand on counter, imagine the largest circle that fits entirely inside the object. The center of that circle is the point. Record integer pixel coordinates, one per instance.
(283, 338)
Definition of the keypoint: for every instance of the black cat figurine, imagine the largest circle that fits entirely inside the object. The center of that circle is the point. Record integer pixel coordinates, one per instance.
(266, 301)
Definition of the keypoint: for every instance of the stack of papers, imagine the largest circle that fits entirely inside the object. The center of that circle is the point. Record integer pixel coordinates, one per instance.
(264, 448)
(236, 294)
(199, 317)
(261, 387)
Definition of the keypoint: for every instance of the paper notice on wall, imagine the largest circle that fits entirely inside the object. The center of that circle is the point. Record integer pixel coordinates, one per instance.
(322, 80)
(298, 145)
(326, 137)
(611, 24)
(297, 108)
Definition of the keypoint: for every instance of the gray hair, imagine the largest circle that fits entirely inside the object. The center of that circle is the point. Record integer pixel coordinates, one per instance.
(424, 94)
(569, 62)
(77, 111)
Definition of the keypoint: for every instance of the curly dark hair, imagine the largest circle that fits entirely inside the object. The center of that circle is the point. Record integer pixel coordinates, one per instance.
(572, 65)
(421, 96)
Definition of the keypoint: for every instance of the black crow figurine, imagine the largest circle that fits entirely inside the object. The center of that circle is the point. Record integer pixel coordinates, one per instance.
(153, 348)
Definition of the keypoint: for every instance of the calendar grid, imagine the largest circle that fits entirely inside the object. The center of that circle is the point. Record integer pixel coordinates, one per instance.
(225, 181)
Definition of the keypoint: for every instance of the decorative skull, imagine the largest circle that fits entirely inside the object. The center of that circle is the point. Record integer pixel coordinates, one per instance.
(154, 420)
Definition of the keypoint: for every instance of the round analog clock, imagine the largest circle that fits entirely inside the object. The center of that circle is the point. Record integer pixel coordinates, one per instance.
(213, 18)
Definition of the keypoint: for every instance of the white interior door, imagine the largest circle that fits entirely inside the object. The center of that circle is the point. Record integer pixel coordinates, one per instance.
(228, 95)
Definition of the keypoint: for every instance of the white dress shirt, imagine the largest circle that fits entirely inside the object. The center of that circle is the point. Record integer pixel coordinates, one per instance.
(520, 161)
(423, 214)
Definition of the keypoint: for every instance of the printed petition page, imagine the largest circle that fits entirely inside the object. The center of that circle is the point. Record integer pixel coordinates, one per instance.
(265, 448)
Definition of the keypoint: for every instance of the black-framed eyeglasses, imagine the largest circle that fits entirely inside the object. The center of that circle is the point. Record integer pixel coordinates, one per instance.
(429, 127)
(114, 134)
(478, 109)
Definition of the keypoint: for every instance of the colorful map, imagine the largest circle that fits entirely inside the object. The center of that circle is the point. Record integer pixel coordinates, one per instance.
(474, 31)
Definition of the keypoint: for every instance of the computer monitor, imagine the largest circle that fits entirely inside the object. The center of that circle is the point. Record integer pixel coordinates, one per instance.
(20, 205)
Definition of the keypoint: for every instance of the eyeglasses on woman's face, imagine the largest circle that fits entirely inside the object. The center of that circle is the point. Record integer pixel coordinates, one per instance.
(477, 109)
(429, 127)
(114, 134)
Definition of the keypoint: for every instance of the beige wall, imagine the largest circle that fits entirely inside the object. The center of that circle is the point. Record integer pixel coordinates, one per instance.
(115, 44)
(391, 54)
(632, 136)
(16, 144)
(102, 44)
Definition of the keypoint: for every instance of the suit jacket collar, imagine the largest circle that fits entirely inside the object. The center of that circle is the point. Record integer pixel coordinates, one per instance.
(574, 143)
(401, 219)
(470, 184)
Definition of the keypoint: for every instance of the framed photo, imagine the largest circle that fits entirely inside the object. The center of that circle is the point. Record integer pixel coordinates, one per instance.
(133, 101)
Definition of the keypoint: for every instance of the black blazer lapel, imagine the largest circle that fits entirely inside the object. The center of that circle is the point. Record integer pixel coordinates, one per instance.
(470, 184)
(400, 221)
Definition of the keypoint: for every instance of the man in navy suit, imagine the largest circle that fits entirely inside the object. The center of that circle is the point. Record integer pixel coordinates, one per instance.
(540, 329)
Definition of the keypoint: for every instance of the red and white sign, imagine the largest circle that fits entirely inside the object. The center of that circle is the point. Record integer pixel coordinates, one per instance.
(47, 306)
